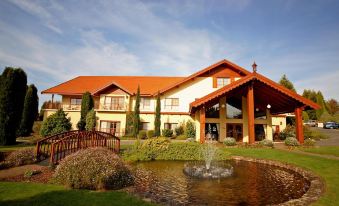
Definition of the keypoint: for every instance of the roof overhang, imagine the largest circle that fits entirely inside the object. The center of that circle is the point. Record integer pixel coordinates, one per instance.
(266, 91)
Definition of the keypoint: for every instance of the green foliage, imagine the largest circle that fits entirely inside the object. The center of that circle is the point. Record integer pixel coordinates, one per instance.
(56, 123)
(91, 120)
(313, 134)
(93, 168)
(291, 141)
(87, 103)
(266, 143)
(230, 141)
(332, 106)
(287, 83)
(305, 116)
(179, 130)
(311, 95)
(157, 119)
(181, 137)
(142, 134)
(309, 142)
(129, 124)
(12, 94)
(321, 103)
(167, 133)
(30, 111)
(136, 115)
(21, 157)
(190, 129)
(289, 131)
(150, 133)
(30, 173)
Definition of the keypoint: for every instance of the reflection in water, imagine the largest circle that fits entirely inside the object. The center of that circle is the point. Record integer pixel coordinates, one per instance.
(251, 184)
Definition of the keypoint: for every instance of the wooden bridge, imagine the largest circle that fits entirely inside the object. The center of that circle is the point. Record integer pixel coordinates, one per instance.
(56, 147)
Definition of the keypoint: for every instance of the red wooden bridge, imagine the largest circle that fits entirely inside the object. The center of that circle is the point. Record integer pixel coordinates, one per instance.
(56, 147)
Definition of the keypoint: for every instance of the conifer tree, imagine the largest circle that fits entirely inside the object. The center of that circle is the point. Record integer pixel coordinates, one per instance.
(87, 104)
(136, 116)
(287, 83)
(30, 111)
(157, 119)
(12, 95)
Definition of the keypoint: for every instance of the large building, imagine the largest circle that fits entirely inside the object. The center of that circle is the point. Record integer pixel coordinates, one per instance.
(224, 100)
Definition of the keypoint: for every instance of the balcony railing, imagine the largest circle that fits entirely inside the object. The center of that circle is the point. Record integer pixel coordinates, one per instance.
(71, 107)
(120, 107)
(117, 133)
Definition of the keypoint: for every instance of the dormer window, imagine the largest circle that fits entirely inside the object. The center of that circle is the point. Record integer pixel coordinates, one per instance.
(223, 81)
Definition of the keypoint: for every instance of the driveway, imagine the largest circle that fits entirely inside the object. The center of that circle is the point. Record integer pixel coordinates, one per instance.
(333, 135)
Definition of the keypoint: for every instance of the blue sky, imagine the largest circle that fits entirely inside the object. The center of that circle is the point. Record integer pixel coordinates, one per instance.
(54, 41)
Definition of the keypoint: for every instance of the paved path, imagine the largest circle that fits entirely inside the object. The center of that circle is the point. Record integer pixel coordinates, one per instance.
(333, 135)
(15, 171)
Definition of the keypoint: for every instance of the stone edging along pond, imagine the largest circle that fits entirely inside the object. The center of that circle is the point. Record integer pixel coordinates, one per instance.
(317, 185)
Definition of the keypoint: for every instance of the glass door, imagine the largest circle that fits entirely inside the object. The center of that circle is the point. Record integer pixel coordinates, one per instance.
(235, 131)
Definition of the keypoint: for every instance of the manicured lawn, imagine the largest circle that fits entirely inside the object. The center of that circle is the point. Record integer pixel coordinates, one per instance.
(326, 168)
(329, 150)
(49, 195)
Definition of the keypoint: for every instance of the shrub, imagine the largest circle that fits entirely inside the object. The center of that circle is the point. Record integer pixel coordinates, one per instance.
(93, 168)
(142, 134)
(150, 133)
(91, 120)
(30, 173)
(181, 137)
(289, 131)
(313, 134)
(291, 141)
(167, 132)
(266, 143)
(179, 130)
(190, 129)
(56, 123)
(21, 157)
(230, 141)
(309, 142)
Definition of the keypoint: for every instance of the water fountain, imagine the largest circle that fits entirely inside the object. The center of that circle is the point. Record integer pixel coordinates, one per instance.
(207, 170)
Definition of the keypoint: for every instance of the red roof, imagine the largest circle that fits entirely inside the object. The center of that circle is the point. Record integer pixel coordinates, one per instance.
(94, 84)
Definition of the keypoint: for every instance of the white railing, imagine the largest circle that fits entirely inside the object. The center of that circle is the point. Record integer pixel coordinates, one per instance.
(119, 107)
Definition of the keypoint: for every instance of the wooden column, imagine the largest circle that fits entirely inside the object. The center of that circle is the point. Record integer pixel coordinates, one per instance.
(299, 125)
(250, 114)
(202, 124)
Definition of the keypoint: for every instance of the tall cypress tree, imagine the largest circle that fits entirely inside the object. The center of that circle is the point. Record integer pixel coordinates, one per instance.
(136, 116)
(30, 111)
(157, 120)
(12, 95)
(87, 104)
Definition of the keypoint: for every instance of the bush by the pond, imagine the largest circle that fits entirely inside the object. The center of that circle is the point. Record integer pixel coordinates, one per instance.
(93, 168)
(309, 142)
(230, 141)
(266, 143)
(162, 149)
(20, 157)
(291, 141)
(167, 132)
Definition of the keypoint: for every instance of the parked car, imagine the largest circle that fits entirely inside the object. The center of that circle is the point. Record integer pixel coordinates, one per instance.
(330, 125)
(311, 123)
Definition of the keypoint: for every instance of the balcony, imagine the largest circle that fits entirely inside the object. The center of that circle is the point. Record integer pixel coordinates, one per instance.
(114, 107)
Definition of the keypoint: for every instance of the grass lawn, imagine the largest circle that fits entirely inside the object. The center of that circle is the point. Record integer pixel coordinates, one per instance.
(49, 195)
(326, 168)
(329, 150)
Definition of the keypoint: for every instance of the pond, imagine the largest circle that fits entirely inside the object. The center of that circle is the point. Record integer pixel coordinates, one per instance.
(250, 184)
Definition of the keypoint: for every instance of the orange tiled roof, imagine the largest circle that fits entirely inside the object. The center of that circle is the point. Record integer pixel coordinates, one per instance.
(94, 84)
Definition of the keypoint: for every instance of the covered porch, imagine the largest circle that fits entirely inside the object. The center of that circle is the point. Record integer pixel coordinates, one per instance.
(243, 110)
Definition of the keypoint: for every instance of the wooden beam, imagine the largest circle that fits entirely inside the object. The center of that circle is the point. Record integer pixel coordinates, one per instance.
(299, 125)
(202, 124)
(250, 112)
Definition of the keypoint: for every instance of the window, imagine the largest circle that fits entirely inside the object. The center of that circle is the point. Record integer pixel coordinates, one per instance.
(222, 82)
(145, 103)
(213, 111)
(170, 126)
(110, 127)
(233, 108)
(75, 101)
(171, 103)
(114, 103)
(144, 126)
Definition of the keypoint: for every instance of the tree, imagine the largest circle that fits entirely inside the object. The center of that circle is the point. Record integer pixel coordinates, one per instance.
(136, 115)
(311, 95)
(129, 123)
(190, 130)
(332, 106)
(12, 94)
(91, 120)
(287, 83)
(87, 104)
(30, 111)
(157, 119)
(321, 103)
(56, 123)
